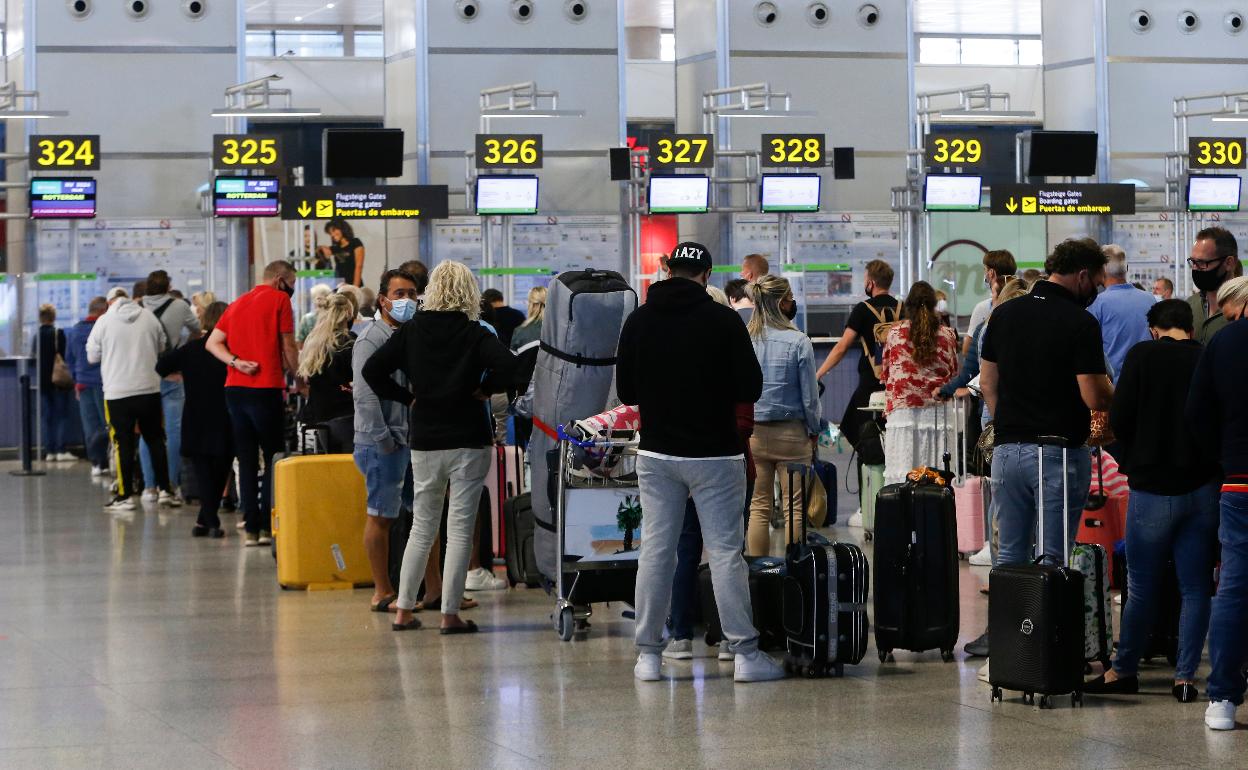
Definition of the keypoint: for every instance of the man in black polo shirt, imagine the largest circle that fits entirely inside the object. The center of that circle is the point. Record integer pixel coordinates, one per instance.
(1042, 369)
(879, 307)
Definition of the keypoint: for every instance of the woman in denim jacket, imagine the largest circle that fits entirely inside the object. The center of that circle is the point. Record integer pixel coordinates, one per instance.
(786, 417)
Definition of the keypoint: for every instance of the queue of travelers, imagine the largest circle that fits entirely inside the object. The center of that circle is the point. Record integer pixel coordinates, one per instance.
(415, 376)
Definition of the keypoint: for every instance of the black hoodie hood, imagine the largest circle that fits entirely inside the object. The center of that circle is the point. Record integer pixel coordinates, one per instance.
(677, 294)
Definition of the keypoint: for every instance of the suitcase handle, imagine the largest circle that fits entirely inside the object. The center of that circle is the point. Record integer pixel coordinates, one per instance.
(1042, 442)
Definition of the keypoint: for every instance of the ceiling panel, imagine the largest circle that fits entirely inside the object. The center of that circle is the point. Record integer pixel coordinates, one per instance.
(314, 12)
(978, 17)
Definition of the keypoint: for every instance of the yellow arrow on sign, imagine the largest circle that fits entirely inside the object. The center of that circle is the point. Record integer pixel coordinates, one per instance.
(304, 209)
(1011, 206)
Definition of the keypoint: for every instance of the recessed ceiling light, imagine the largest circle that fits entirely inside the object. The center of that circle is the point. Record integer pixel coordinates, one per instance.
(298, 18)
(329, 5)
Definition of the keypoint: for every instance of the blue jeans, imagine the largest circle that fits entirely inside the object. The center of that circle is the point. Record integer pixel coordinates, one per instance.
(1015, 499)
(1227, 624)
(1160, 528)
(94, 424)
(172, 399)
(54, 416)
(718, 490)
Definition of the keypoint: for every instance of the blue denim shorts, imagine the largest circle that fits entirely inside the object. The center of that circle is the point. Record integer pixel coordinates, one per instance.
(383, 478)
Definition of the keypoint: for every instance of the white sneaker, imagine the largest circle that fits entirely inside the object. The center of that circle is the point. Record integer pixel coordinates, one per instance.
(1220, 715)
(648, 668)
(1118, 599)
(983, 673)
(151, 495)
(169, 499)
(983, 558)
(66, 457)
(120, 504)
(242, 523)
(679, 649)
(758, 666)
(482, 579)
(724, 653)
(855, 520)
(266, 538)
(97, 473)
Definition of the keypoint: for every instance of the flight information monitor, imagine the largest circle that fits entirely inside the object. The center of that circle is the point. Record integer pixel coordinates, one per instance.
(955, 192)
(245, 196)
(1213, 193)
(506, 195)
(62, 198)
(789, 192)
(679, 194)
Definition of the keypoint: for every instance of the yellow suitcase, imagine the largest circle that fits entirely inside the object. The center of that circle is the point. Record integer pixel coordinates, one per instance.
(319, 507)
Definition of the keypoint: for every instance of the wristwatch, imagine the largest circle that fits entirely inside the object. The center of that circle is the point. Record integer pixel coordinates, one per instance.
(232, 362)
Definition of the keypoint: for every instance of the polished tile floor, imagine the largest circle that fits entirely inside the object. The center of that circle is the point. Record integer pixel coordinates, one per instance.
(126, 644)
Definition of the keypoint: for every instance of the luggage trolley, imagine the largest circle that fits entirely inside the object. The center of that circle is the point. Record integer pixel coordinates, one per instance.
(597, 513)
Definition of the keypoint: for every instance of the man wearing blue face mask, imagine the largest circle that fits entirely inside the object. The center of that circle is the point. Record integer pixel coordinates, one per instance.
(381, 432)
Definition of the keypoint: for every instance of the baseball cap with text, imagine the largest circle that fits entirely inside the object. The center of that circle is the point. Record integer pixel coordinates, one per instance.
(690, 254)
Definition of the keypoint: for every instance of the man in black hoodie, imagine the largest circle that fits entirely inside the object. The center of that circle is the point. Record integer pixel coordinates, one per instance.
(686, 362)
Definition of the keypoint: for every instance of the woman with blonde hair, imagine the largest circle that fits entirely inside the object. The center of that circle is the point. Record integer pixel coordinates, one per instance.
(531, 330)
(325, 363)
(920, 355)
(1233, 298)
(319, 296)
(452, 364)
(200, 301)
(787, 416)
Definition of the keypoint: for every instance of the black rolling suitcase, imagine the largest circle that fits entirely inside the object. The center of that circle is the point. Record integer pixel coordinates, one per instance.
(825, 598)
(1035, 618)
(916, 568)
(518, 526)
(766, 601)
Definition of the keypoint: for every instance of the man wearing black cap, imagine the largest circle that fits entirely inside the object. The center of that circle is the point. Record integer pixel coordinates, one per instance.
(686, 362)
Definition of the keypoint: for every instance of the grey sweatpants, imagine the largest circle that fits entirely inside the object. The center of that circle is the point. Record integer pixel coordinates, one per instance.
(463, 471)
(718, 491)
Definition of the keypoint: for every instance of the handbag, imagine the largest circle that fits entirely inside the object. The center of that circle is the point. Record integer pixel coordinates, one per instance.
(1101, 433)
(983, 451)
(61, 376)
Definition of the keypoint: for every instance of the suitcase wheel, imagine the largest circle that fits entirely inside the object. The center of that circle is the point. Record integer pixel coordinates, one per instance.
(1029, 698)
(946, 655)
(868, 535)
(1076, 699)
(884, 655)
(997, 695)
(838, 670)
(1046, 702)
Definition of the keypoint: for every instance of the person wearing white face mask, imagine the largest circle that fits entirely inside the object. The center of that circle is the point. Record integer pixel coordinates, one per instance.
(381, 433)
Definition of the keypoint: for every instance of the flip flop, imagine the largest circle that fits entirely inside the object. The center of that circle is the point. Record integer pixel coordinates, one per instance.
(410, 625)
(468, 628)
(384, 604)
(436, 605)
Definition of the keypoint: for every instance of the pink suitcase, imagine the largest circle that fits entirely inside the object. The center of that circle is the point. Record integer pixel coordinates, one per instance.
(968, 496)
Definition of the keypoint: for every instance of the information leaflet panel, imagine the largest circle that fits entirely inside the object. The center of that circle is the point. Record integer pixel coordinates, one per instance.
(65, 198)
(245, 196)
(400, 201)
(1062, 199)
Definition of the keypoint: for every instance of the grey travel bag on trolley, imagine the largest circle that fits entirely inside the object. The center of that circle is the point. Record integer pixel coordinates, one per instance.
(574, 378)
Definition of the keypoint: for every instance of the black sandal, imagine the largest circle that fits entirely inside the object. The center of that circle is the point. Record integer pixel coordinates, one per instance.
(384, 604)
(467, 628)
(410, 625)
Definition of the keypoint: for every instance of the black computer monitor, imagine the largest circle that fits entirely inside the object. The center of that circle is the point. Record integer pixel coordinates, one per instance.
(1062, 153)
(363, 153)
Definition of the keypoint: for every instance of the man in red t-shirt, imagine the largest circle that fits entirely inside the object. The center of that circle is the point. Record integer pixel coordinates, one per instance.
(256, 340)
